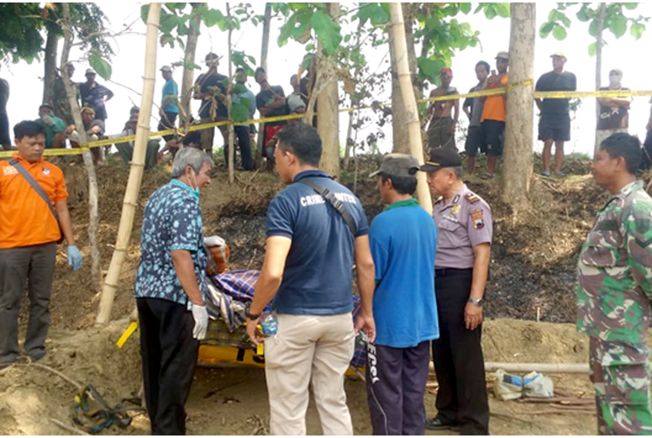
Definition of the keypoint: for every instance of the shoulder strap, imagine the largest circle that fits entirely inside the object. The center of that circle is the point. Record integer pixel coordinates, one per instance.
(334, 202)
(37, 188)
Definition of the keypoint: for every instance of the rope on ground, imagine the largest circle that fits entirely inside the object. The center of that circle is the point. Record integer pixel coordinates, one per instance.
(53, 371)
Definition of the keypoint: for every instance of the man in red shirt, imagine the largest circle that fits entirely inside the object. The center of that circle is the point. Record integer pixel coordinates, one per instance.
(28, 240)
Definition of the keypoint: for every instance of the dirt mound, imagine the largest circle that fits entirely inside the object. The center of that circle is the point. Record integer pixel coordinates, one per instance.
(33, 395)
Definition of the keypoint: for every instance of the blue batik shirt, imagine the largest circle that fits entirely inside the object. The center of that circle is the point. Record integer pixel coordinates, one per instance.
(172, 221)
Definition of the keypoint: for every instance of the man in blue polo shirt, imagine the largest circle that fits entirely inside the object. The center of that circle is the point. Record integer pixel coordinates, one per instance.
(403, 239)
(307, 271)
(170, 290)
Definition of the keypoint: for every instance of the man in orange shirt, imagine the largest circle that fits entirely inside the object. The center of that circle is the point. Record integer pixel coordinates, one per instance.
(493, 114)
(28, 240)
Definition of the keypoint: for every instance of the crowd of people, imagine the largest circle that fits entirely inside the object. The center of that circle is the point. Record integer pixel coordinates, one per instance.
(421, 279)
(211, 89)
(487, 115)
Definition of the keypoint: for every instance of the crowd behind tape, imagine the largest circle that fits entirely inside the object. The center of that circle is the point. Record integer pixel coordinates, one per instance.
(482, 93)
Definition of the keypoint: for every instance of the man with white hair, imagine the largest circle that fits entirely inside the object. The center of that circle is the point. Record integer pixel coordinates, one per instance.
(614, 111)
(170, 290)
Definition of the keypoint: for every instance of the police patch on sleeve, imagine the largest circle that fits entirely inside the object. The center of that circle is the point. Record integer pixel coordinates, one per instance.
(477, 218)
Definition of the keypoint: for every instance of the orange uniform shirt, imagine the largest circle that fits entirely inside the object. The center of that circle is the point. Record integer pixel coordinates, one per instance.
(494, 106)
(24, 218)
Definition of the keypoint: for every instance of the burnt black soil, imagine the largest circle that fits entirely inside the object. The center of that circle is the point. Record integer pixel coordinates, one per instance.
(533, 257)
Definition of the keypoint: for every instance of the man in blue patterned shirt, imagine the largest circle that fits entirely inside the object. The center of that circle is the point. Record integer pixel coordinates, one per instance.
(170, 290)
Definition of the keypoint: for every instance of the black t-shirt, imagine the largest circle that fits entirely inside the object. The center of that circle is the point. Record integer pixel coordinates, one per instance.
(551, 81)
(206, 81)
(612, 117)
(265, 97)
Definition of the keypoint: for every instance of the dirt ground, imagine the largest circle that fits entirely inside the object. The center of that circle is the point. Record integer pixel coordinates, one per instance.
(532, 275)
(233, 401)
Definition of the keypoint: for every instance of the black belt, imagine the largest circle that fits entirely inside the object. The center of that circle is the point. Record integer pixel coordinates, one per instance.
(442, 272)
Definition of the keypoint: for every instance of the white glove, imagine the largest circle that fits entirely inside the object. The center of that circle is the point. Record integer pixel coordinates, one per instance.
(200, 315)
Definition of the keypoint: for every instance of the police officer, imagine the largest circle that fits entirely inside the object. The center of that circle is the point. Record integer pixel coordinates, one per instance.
(461, 271)
(614, 288)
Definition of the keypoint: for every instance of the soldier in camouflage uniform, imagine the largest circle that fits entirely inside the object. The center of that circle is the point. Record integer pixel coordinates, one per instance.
(614, 290)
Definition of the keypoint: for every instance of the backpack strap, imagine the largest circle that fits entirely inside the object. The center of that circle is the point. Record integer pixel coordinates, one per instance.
(334, 202)
(39, 190)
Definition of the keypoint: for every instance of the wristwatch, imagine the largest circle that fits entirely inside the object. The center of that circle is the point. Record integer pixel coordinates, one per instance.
(248, 313)
(476, 301)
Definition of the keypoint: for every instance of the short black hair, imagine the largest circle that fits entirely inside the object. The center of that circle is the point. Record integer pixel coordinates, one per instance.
(303, 141)
(485, 64)
(259, 70)
(239, 69)
(28, 128)
(404, 185)
(624, 145)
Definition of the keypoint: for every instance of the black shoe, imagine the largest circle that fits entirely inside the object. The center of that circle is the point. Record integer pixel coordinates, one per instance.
(36, 355)
(437, 423)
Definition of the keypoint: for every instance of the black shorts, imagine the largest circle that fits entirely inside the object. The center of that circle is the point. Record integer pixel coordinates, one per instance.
(475, 141)
(554, 127)
(494, 137)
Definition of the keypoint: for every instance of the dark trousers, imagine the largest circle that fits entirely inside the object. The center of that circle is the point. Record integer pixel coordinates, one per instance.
(396, 381)
(169, 354)
(167, 121)
(457, 354)
(244, 141)
(33, 265)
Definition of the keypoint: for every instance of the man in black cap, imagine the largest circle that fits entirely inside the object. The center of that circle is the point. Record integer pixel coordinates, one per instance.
(461, 272)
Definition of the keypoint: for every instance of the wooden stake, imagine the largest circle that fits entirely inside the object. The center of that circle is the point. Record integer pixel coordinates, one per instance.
(399, 48)
(136, 171)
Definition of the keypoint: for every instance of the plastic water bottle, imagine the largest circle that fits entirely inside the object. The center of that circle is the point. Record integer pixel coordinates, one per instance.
(268, 325)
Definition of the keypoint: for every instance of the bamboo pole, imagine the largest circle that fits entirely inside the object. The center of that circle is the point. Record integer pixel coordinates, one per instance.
(398, 46)
(229, 102)
(264, 49)
(136, 172)
(71, 94)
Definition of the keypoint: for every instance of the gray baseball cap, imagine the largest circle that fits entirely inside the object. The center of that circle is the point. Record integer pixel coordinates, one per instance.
(397, 165)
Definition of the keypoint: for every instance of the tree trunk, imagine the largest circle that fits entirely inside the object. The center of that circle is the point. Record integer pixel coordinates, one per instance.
(50, 65)
(327, 101)
(400, 136)
(517, 167)
(189, 60)
(398, 47)
(71, 93)
(136, 171)
(267, 19)
(599, 43)
(231, 140)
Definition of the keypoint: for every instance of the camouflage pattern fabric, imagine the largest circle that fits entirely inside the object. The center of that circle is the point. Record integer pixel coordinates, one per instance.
(613, 301)
(622, 388)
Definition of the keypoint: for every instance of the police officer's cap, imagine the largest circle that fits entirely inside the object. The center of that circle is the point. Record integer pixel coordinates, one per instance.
(440, 158)
(397, 165)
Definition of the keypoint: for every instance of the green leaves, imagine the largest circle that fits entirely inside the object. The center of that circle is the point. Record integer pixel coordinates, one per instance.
(492, 10)
(375, 13)
(559, 32)
(618, 25)
(328, 32)
(637, 30)
(100, 65)
(430, 68)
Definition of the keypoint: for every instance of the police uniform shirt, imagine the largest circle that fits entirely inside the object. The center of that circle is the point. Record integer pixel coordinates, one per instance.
(464, 222)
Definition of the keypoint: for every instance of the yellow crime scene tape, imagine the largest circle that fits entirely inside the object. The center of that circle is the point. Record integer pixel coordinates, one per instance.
(482, 93)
